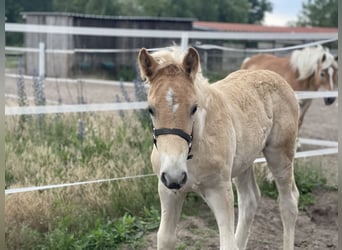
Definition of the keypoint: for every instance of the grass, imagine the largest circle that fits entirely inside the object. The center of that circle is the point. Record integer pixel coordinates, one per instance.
(52, 150)
(308, 178)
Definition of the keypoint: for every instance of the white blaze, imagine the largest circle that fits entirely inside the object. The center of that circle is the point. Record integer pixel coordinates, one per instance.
(331, 74)
(170, 98)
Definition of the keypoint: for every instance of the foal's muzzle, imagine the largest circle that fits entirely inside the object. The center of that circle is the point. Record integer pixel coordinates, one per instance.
(174, 179)
(173, 183)
(329, 100)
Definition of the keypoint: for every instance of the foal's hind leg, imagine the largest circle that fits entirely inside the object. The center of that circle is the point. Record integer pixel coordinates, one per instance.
(280, 162)
(248, 199)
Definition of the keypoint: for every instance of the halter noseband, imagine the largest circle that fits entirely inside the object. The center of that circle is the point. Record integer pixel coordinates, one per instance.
(173, 131)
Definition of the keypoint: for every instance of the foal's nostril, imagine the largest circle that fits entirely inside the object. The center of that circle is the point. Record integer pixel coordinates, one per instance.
(185, 178)
(329, 100)
(163, 179)
(174, 183)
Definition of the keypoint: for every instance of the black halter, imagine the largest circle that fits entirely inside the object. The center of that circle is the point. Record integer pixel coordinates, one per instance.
(173, 131)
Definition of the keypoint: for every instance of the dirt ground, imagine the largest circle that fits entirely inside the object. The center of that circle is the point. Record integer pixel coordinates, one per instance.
(316, 228)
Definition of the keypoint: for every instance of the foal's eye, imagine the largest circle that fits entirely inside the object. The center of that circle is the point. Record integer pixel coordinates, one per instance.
(322, 74)
(150, 110)
(194, 109)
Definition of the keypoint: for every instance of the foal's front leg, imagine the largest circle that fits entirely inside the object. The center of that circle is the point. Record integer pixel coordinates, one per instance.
(221, 201)
(171, 205)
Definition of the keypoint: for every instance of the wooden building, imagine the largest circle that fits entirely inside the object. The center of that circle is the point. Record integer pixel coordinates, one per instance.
(71, 64)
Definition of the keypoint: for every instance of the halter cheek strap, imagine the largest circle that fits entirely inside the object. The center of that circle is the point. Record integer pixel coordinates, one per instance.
(173, 131)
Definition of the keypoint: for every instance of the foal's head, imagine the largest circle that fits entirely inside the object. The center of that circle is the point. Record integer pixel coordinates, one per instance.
(172, 104)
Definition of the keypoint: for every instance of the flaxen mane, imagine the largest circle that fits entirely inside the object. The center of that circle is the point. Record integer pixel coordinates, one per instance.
(306, 60)
(175, 55)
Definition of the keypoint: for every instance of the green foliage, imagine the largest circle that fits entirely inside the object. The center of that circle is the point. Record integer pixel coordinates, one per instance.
(110, 234)
(60, 237)
(13, 13)
(215, 76)
(257, 9)
(243, 11)
(320, 13)
(127, 73)
(307, 179)
(103, 235)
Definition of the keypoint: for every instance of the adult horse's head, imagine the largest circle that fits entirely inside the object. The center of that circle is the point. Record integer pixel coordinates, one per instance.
(172, 104)
(328, 74)
(319, 65)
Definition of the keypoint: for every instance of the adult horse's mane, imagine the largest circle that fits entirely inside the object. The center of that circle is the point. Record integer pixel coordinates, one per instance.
(307, 59)
(174, 55)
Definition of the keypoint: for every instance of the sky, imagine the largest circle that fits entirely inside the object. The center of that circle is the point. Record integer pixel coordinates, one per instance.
(283, 11)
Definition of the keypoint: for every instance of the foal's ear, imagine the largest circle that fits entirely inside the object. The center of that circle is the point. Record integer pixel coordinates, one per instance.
(147, 64)
(191, 63)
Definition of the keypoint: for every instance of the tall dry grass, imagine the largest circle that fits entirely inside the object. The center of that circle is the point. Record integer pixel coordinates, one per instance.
(56, 149)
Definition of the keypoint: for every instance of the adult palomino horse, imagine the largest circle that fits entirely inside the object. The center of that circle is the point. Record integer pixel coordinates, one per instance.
(206, 134)
(308, 69)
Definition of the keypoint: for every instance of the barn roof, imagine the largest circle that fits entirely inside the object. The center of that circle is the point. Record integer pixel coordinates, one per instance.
(197, 25)
(89, 16)
(239, 27)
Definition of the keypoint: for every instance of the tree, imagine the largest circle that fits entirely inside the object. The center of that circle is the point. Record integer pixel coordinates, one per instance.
(14, 8)
(257, 9)
(13, 13)
(237, 11)
(320, 13)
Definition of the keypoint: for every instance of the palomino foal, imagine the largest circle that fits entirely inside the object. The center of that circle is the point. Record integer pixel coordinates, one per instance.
(207, 134)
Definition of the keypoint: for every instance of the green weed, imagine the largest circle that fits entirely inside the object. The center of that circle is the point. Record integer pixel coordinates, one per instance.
(308, 178)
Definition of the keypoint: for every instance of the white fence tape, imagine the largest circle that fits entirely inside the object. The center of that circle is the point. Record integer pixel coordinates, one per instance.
(211, 46)
(54, 109)
(200, 46)
(317, 142)
(300, 95)
(318, 152)
(38, 188)
(309, 153)
(73, 51)
(51, 109)
(74, 81)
